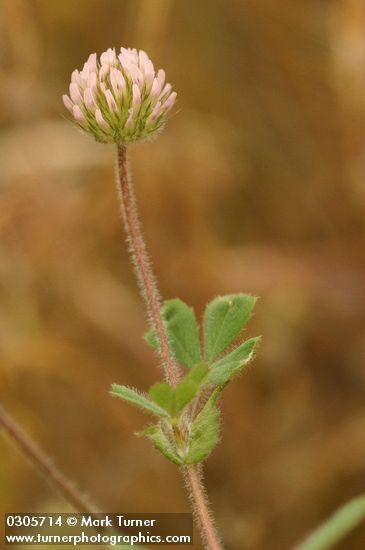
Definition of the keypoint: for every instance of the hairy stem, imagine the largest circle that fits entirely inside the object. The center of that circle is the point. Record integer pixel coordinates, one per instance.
(200, 504)
(142, 266)
(148, 286)
(44, 464)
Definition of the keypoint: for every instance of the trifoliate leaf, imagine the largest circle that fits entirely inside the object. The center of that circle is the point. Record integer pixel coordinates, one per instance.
(224, 319)
(224, 370)
(137, 399)
(163, 395)
(162, 443)
(204, 433)
(182, 331)
(189, 387)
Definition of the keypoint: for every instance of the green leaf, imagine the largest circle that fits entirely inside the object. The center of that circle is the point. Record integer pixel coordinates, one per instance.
(204, 433)
(222, 371)
(243, 353)
(224, 319)
(221, 376)
(137, 399)
(162, 443)
(196, 374)
(182, 331)
(189, 387)
(337, 526)
(163, 395)
(174, 400)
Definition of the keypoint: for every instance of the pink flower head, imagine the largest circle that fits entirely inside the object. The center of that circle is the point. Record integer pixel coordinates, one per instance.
(119, 97)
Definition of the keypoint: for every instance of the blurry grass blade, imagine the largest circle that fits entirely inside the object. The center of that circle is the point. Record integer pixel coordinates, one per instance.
(137, 399)
(337, 526)
(224, 319)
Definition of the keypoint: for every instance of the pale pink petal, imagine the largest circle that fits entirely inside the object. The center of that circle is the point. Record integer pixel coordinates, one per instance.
(85, 70)
(117, 80)
(136, 74)
(67, 103)
(104, 58)
(104, 71)
(149, 72)
(169, 102)
(78, 114)
(126, 52)
(89, 99)
(92, 80)
(100, 120)
(75, 93)
(133, 54)
(156, 88)
(167, 89)
(110, 100)
(75, 77)
(108, 57)
(136, 97)
(125, 62)
(92, 62)
(84, 75)
(143, 58)
(155, 113)
(161, 77)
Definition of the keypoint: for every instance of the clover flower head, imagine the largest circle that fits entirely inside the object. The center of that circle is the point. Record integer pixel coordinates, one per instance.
(120, 97)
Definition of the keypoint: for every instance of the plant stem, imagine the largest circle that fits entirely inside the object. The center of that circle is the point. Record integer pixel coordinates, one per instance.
(44, 464)
(200, 504)
(149, 290)
(142, 266)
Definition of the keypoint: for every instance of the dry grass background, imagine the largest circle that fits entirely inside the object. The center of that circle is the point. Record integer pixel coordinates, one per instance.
(256, 185)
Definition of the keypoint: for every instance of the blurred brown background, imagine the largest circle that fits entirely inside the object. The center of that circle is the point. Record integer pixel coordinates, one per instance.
(256, 185)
